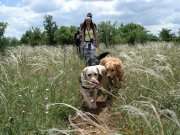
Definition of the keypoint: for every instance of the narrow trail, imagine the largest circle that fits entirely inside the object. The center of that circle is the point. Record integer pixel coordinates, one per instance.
(94, 121)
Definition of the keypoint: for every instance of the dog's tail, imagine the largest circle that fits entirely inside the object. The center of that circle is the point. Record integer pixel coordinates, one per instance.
(102, 55)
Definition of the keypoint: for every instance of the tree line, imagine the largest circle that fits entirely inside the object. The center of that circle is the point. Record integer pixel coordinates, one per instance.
(109, 33)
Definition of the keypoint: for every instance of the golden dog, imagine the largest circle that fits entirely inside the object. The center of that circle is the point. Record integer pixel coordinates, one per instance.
(114, 68)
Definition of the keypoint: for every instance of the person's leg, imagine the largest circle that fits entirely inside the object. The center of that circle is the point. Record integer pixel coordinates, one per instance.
(78, 45)
(78, 49)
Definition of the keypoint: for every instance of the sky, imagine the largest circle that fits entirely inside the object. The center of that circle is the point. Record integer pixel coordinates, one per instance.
(21, 15)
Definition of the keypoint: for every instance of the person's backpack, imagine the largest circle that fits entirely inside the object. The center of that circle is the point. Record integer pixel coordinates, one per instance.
(95, 25)
(75, 35)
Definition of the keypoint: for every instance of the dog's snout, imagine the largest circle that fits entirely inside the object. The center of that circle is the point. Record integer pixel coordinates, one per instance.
(109, 76)
(94, 80)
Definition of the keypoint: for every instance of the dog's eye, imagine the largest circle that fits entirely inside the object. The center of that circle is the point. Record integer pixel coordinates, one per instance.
(89, 74)
(112, 70)
(95, 74)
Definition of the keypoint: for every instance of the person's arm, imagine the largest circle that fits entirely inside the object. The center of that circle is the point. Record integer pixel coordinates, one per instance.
(95, 37)
(82, 42)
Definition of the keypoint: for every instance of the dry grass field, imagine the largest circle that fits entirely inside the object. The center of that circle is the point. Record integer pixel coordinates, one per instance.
(40, 92)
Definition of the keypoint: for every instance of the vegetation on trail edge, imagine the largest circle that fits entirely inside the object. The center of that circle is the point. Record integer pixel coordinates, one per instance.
(40, 91)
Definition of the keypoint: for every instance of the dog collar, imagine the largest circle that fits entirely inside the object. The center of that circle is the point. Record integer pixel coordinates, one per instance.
(88, 88)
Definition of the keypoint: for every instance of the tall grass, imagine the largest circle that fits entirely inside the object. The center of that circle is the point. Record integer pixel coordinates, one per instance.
(40, 92)
(147, 101)
(30, 79)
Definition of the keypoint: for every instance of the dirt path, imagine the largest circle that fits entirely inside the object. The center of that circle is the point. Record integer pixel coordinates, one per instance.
(94, 122)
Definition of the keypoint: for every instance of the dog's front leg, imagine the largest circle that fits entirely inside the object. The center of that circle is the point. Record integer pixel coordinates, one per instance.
(94, 105)
(115, 81)
(86, 98)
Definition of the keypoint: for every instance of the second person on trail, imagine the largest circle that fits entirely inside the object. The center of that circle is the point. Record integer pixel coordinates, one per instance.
(78, 37)
(88, 37)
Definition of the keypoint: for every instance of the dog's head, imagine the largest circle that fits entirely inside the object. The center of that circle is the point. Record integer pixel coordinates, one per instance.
(111, 69)
(94, 74)
(92, 61)
(95, 60)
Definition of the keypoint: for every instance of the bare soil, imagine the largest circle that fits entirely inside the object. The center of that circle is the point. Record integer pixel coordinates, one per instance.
(95, 121)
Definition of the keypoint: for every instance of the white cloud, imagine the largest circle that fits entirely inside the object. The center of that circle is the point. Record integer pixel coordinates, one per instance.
(105, 8)
(153, 14)
(155, 29)
(71, 6)
(41, 6)
(18, 19)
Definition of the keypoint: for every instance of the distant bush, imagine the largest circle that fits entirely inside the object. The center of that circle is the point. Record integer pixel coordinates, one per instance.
(107, 33)
(3, 40)
(176, 40)
(65, 35)
(165, 35)
(133, 33)
(49, 28)
(33, 37)
(12, 41)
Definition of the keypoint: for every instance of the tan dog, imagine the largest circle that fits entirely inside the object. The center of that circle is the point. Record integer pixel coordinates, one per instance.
(114, 68)
(92, 79)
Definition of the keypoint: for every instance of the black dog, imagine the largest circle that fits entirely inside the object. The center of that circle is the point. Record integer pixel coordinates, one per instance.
(95, 60)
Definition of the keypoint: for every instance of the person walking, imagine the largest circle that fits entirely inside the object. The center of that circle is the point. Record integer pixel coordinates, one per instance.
(89, 38)
(78, 37)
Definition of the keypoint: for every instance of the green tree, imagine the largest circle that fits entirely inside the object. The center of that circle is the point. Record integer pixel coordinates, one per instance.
(107, 32)
(50, 27)
(176, 39)
(36, 37)
(133, 33)
(25, 39)
(3, 41)
(32, 37)
(151, 37)
(165, 35)
(65, 35)
(12, 41)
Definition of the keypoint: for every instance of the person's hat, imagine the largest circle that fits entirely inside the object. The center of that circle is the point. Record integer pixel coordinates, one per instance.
(89, 15)
(88, 18)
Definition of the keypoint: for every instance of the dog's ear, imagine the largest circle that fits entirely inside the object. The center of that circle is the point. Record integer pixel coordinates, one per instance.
(118, 66)
(99, 75)
(79, 78)
(102, 55)
(83, 74)
(102, 62)
(119, 70)
(101, 72)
